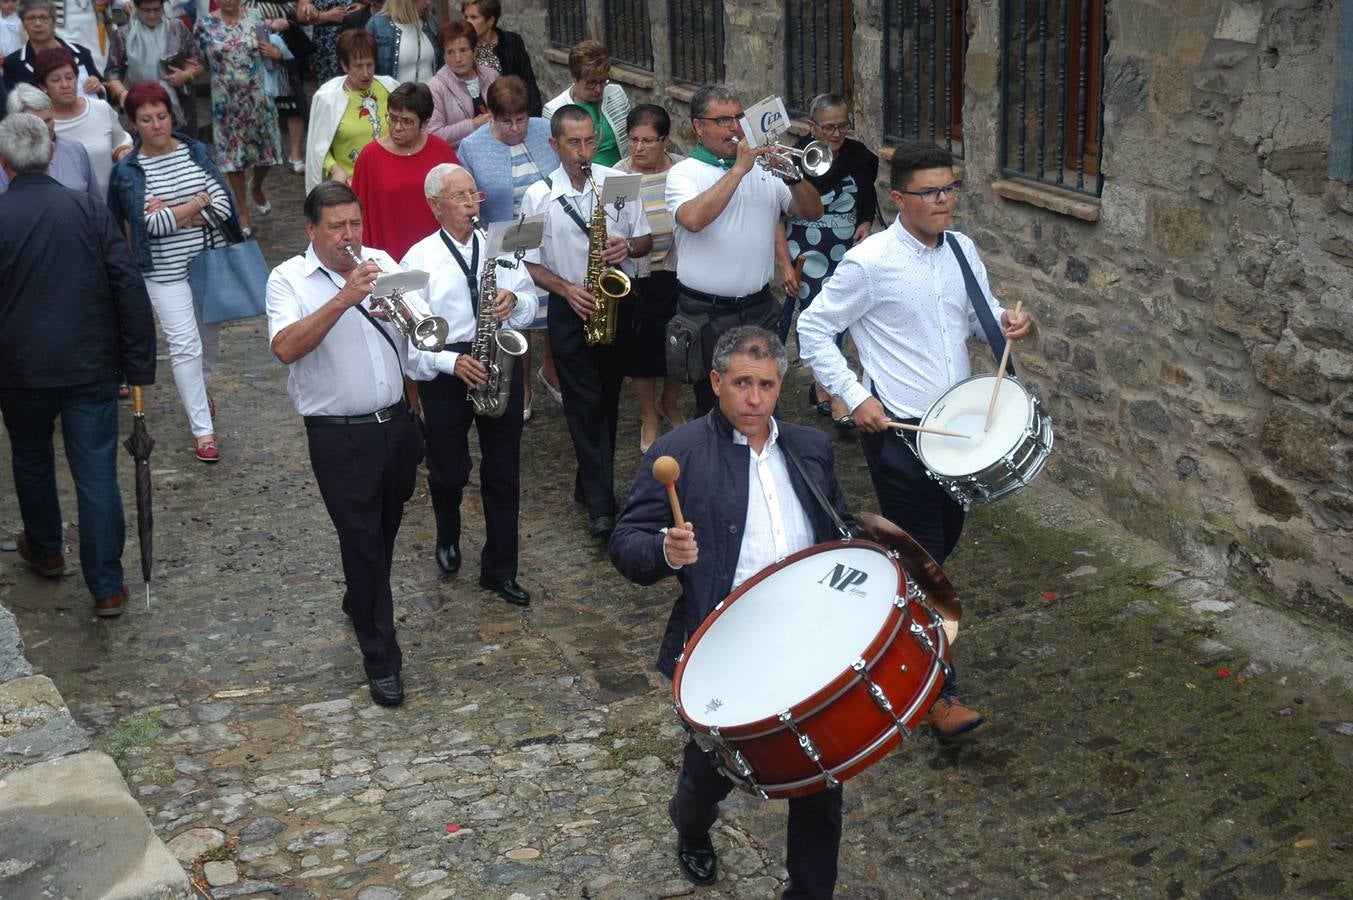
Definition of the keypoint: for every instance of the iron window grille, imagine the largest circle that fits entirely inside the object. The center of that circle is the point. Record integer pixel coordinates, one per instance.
(628, 35)
(568, 22)
(1052, 81)
(817, 52)
(696, 33)
(925, 42)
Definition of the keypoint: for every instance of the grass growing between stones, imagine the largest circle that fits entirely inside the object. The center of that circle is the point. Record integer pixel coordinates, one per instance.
(131, 742)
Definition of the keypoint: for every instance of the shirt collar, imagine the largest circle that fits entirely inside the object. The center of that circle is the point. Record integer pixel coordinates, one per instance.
(561, 186)
(740, 439)
(313, 265)
(908, 240)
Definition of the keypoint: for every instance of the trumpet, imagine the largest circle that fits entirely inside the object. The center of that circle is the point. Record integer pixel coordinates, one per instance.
(791, 164)
(426, 332)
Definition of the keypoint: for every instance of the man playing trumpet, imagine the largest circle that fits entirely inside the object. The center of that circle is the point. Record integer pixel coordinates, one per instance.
(455, 256)
(590, 377)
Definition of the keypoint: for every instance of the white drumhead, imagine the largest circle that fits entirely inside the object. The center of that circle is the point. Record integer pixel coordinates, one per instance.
(963, 408)
(788, 636)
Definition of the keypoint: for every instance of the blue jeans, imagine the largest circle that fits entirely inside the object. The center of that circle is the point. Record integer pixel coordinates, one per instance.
(89, 428)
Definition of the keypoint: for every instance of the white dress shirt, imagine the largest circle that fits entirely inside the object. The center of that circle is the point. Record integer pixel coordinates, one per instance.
(354, 371)
(734, 255)
(564, 248)
(907, 310)
(448, 295)
(777, 524)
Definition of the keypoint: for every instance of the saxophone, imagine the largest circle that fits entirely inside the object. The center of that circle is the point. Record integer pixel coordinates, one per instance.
(496, 347)
(606, 283)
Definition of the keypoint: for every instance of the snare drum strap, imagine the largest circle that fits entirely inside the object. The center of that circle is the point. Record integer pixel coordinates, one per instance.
(797, 462)
(995, 337)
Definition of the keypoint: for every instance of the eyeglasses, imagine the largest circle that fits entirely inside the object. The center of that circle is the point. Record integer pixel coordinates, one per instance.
(937, 195)
(721, 121)
(595, 84)
(645, 142)
(402, 121)
(835, 127)
(521, 122)
(465, 198)
(37, 17)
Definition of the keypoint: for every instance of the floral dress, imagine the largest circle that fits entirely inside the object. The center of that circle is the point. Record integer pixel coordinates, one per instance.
(325, 36)
(243, 116)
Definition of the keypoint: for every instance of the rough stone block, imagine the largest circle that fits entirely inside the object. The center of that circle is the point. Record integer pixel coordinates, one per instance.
(1290, 370)
(1238, 165)
(53, 738)
(1272, 497)
(73, 830)
(1124, 363)
(1178, 230)
(1282, 543)
(1170, 89)
(1326, 323)
(12, 663)
(1193, 288)
(1299, 443)
(1175, 375)
(28, 702)
(1239, 22)
(1148, 415)
(1334, 508)
(1077, 270)
(1248, 313)
(1123, 211)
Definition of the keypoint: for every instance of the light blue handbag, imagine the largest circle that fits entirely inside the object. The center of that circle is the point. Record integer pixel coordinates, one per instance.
(229, 282)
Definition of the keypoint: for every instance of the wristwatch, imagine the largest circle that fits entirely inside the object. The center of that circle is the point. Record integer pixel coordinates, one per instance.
(629, 246)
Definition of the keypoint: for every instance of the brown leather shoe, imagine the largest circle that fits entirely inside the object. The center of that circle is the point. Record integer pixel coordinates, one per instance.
(48, 567)
(948, 719)
(111, 607)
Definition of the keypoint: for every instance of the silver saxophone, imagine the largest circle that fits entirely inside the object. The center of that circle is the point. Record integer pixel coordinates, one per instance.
(426, 332)
(496, 347)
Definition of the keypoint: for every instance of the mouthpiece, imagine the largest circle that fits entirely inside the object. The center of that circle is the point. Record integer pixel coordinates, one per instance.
(352, 254)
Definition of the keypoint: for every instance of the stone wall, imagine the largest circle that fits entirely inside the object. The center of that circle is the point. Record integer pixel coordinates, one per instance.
(1195, 342)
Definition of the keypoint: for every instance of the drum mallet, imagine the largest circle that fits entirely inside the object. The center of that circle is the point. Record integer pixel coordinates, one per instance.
(666, 470)
(1000, 371)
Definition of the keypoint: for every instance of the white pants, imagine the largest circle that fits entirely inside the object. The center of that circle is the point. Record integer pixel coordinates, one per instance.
(193, 348)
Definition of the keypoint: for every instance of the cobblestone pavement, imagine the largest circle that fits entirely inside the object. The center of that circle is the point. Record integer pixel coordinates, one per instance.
(1128, 751)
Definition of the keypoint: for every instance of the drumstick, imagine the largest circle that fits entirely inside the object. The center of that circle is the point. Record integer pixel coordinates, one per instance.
(1000, 373)
(926, 429)
(666, 470)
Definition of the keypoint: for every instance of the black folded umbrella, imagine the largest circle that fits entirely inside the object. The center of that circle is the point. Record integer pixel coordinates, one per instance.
(139, 444)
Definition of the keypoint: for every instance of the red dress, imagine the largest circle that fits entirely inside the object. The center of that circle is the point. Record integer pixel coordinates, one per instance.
(395, 214)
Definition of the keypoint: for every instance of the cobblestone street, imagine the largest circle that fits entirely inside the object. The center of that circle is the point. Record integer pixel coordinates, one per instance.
(1131, 748)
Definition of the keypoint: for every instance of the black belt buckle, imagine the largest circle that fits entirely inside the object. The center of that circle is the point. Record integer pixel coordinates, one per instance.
(384, 415)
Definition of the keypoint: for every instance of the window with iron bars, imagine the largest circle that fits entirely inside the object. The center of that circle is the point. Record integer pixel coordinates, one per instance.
(696, 32)
(817, 52)
(628, 33)
(1052, 80)
(925, 42)
(568, 21)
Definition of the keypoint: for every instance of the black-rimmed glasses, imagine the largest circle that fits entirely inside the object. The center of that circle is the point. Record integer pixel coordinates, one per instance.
(936, 195)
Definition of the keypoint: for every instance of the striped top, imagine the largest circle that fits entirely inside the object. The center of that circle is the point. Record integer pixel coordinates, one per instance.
(174, 178)
(653, 194)
(525, 173)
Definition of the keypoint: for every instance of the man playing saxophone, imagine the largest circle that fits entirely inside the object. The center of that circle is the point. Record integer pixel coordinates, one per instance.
(474, 295)
(590, 375)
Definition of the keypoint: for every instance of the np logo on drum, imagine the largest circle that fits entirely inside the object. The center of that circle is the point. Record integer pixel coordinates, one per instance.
(845, 579)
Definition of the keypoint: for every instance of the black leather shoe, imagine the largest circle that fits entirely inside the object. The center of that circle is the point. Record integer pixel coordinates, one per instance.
(697, 859)
(388, 691)
(508, 589)
(602, 526)
(448, 559)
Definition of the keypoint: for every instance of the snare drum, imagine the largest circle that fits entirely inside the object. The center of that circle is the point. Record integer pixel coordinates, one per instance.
(988, 463)
(813, 669)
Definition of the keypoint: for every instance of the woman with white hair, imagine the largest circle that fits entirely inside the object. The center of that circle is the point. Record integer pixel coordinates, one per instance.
(406, 40)
(70, 161)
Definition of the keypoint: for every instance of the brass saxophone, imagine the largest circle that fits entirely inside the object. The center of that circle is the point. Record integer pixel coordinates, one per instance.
(496, 347)
(605, 283)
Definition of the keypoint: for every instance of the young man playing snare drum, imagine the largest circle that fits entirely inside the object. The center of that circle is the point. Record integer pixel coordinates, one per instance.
(902, 295)
(744, 511)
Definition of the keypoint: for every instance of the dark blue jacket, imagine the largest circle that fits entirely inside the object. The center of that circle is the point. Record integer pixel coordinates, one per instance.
(73, 308)
(713, 490)
(127, 195)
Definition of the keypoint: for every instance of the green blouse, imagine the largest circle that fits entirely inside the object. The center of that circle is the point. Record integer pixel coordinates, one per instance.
(363, 121)
(608, 151)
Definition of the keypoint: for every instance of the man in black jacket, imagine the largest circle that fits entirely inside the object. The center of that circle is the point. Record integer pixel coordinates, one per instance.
(73, 315)
(747, 506)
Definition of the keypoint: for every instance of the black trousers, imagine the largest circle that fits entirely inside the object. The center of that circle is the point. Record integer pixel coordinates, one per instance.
(590, 379)
(814, 828)
(760, 309)
(365, 474)
(912, 500)
(448, 415)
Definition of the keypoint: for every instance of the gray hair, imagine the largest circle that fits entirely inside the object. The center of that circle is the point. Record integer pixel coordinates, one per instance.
(27, 98)
(436, 178)
(753, 341)
(29, 5)
(823, 102)
(711, 93)
(25, 144)
(569, 112)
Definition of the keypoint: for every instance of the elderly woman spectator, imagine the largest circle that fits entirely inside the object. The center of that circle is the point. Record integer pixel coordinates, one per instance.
(850, 201)
(347, 112)
(459, 87)
(589, 65)
(506, 156)
(70, 161)
(234, 42)
(159, 192)
(291, 101)
(649, 128)
(88, 120)
(154, 47)
(407, 47)
(502, 51)
(390, 172)
(39, 20)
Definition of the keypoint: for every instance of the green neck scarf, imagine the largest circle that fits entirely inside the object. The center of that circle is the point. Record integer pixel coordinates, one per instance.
(702, 153)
